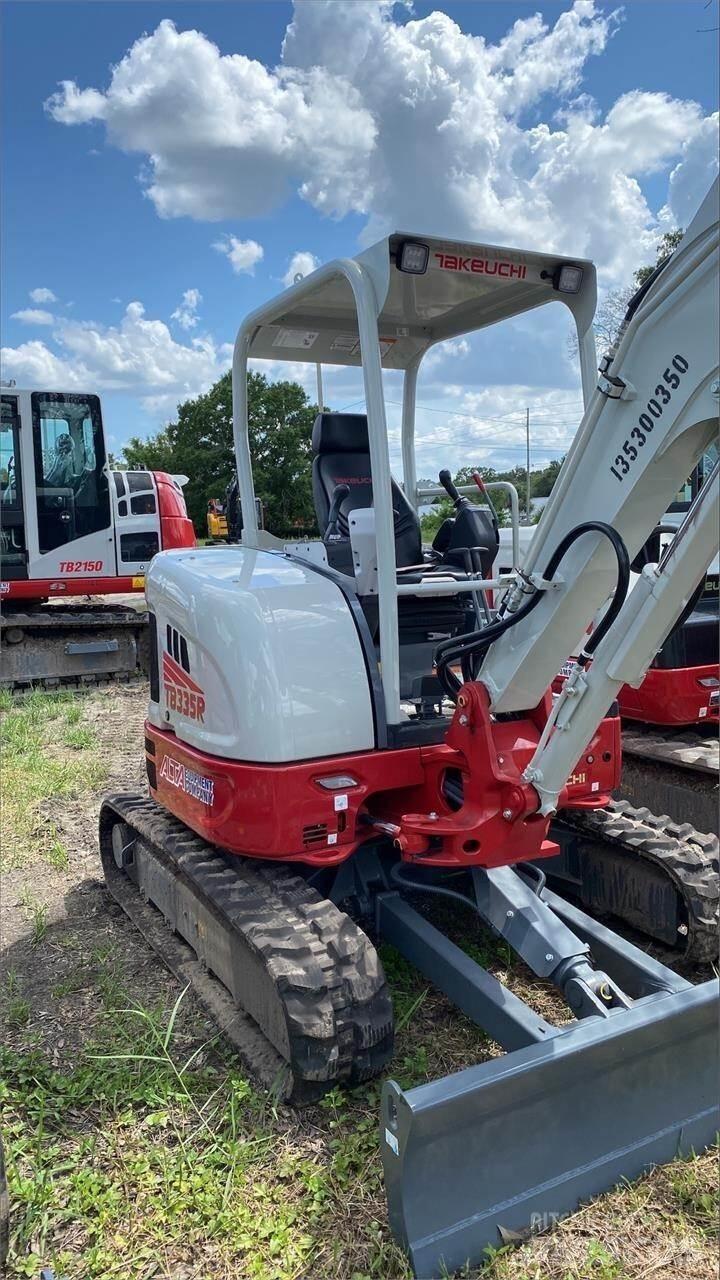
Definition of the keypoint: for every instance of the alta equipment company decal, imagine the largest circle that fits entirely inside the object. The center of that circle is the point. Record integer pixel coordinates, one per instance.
(181, 693)
(187, 780)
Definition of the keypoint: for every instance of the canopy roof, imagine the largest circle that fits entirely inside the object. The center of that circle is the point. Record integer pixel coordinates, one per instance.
(465, 287)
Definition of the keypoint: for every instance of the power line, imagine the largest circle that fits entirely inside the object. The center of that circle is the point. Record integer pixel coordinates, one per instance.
(474, 417)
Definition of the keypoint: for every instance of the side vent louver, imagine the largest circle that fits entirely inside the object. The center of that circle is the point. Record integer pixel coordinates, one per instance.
(177, 647)
(314, 835)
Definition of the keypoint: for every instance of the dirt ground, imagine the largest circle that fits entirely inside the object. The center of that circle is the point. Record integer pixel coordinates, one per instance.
(307, 1204)
(81, 919)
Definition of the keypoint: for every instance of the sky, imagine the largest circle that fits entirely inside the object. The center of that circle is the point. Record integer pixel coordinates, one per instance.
(167, 167)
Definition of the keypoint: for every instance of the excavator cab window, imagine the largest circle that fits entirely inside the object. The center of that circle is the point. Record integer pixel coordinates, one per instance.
(73, 497)
(13, 554)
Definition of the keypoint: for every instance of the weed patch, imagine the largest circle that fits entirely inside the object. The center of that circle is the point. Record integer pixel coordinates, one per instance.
(47, 754)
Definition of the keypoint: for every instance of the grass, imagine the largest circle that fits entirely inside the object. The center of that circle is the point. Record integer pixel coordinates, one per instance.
(146, 1151)
(47, 755)
(139, 1154)
(37, 913)
(154, 1155)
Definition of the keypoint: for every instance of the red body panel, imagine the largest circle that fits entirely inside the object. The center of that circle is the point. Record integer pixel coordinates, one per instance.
(176, 528)
(281, 811)
(47, 588)
(672, 695)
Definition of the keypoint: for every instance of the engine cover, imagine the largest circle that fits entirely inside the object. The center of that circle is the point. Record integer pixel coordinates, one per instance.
(259, 657)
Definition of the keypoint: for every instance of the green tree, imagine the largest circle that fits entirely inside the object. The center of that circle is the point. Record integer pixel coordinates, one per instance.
(611, 312)
(154, 454)
(200, 445)
(667, 245)
(541, 483)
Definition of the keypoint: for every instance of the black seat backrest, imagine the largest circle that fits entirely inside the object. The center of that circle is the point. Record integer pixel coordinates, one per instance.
(342, 456)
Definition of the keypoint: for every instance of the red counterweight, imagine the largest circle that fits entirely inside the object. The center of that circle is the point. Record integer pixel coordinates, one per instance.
(462, 802)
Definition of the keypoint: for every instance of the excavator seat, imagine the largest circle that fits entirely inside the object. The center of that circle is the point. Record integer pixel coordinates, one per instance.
(342, 457)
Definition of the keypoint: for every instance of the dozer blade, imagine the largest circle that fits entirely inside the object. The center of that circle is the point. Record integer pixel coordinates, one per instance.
(510, 1146)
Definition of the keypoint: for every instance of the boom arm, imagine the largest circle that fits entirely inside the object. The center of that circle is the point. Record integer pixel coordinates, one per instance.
(651, 418)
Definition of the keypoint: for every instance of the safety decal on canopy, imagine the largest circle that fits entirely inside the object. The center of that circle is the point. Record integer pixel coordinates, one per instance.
(301, 339)
(347, 342)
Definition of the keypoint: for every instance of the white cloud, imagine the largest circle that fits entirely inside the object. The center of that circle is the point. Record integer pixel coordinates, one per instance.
(488, 426)
(696, 169)
(243, 255)
(42, 295)
(185, 314)
(453, 347)
(137, 356)
(31, 315)
(423, 126)
(301, 264)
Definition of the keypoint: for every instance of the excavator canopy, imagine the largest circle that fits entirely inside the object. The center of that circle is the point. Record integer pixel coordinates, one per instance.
(431, 290)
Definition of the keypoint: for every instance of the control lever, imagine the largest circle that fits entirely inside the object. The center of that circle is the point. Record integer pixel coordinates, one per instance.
(447, 483)
(340, 493)
(481, 486)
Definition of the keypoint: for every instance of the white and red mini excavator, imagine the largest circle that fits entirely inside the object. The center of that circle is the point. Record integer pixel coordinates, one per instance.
(345, 730)
(70, 527)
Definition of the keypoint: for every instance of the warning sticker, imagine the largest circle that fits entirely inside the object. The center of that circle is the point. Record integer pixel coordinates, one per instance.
(392, 1142)
(345, 342)
(385, 344)
(298, 338)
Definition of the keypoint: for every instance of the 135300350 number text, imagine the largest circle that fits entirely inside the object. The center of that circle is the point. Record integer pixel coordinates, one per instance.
(668, 382)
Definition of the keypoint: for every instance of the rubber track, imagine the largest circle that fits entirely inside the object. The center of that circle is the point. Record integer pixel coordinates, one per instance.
(327, 983)
(90, 617)
(682, 748)
(76, 684)
(686, 856)
(53, 617)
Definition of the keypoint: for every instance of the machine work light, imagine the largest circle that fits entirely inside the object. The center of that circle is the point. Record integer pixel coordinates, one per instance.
(413, 258)
(566, 278)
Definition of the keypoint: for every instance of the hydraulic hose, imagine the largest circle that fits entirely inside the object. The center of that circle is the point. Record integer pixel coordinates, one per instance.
(469, 649)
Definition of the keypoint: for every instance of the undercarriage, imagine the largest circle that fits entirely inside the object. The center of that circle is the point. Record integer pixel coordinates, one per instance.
(280, 960)
(71, 646)
(673, 771)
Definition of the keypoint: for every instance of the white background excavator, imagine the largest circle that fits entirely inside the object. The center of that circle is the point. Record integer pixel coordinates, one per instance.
(309, 791)
(70, 527)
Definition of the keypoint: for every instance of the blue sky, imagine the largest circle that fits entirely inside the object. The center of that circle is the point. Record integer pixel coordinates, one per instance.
(587, 132)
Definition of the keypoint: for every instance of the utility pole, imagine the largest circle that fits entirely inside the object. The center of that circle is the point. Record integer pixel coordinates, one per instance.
(527, 443)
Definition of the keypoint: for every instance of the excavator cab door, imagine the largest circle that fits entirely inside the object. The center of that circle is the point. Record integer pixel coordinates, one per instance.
(72, 499)
(137, 522)
(13, 545)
